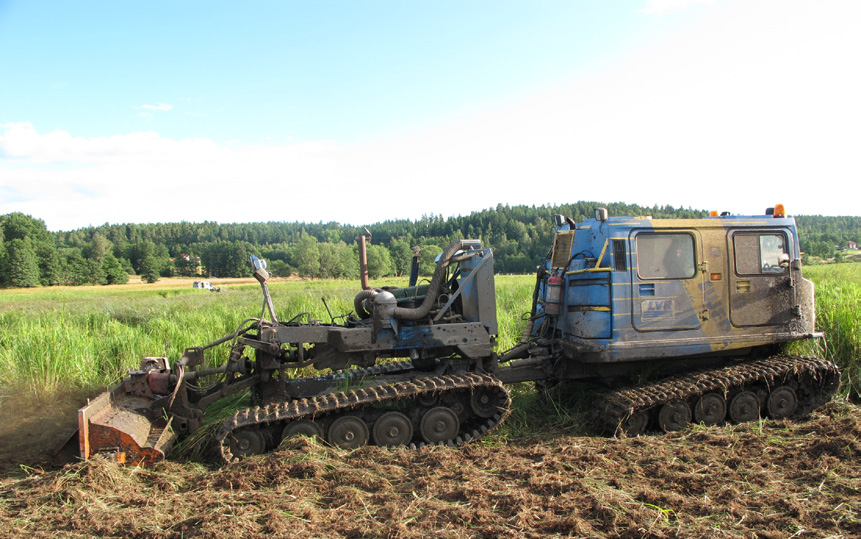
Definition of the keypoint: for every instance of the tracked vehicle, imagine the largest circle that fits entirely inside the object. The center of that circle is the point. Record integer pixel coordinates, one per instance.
(707, 301)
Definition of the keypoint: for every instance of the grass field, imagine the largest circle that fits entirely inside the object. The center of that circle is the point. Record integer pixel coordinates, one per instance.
(537, 476)
(81, 338)
(838, 311)
(73, 337)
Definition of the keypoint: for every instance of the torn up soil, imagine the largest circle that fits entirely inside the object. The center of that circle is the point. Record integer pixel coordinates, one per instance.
(775, 479)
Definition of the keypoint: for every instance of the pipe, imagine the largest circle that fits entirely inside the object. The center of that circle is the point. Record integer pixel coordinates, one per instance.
(527, 333)
(414, 265)
(359, 305)
(406, 313)
(363, 262)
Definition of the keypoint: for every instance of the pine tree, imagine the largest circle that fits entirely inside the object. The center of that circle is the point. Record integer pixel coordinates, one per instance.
(22, 266)
(50, 264)
(150, 269)
(76, 271)
(114, 272)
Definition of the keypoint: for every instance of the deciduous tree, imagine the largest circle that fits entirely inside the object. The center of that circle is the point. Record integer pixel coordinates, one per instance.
(308, 257)
(379, 262)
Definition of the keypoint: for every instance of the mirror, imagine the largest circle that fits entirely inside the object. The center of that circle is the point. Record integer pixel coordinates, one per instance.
(257, 263)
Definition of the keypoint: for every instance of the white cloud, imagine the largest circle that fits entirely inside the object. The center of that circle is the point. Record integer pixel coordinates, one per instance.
(143, 177)
(161, 107)
(750, 108)
(659, 7)
(745, 110)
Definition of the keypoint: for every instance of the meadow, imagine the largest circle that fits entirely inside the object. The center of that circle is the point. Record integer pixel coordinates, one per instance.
(838, 311)
(80, 339)
(537, 476)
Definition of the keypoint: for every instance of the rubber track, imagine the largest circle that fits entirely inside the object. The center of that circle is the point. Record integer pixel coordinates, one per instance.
(817, 380)
(309, 408)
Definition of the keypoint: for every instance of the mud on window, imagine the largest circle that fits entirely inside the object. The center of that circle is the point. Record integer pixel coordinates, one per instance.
(760, 253)
(666, 256)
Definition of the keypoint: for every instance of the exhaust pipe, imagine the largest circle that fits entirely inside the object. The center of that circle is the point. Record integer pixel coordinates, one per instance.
(363, 259)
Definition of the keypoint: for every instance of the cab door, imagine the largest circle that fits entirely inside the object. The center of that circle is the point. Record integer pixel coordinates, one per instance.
(761, 291)
(666, 283)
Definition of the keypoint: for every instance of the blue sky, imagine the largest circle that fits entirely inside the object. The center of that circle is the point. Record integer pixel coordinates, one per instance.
(359, 112)
(308, 71)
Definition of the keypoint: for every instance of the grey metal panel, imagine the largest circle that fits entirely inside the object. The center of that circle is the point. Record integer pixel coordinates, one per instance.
(302, 334)
(411, 337)
(479, 293)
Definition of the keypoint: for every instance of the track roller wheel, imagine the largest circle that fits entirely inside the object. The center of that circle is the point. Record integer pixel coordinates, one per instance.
(636, 424)
(246, 442)
(304, 427)
(484, 402)
(674, 416)
(782, 402)
(439, 424)
(348, 432)
(744, 407)
(393, 429)
(710, 409)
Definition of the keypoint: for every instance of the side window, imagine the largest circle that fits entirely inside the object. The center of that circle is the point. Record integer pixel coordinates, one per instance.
(760, 253)
(620, 259)
(666, 256)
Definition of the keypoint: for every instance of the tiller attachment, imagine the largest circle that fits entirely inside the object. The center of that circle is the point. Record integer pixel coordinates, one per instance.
(123, 423)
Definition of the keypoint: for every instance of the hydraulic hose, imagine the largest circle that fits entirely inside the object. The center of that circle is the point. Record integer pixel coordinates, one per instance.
(527, 333)
(358, 302)
(406, 313)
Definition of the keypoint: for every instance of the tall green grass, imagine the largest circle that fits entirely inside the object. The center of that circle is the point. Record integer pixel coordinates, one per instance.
(513, 306)
(838, 310)
(82, 339)
(76, 339)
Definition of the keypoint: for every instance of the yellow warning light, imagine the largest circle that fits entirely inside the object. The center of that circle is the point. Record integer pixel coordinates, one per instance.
(779, 211)
(715, 276)
(713, 213)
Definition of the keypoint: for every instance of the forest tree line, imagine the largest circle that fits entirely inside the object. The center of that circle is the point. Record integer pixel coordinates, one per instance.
(521, 236)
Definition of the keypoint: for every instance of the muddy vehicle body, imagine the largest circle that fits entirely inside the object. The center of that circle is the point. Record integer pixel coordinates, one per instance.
(708, 301)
